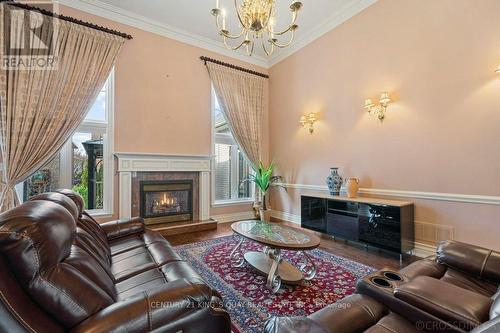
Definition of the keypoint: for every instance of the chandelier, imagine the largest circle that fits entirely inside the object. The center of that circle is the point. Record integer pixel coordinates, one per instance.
(257, 19)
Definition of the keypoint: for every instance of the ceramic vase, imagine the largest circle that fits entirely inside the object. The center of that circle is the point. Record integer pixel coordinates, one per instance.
(352, 186)
(334, 181)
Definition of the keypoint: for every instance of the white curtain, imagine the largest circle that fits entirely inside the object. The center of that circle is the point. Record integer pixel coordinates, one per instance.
(41, 107)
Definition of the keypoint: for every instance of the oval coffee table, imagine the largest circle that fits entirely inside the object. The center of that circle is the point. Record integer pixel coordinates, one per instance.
(275, 237)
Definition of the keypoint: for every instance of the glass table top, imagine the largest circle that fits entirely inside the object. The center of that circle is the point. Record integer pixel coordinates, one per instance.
(271, 232)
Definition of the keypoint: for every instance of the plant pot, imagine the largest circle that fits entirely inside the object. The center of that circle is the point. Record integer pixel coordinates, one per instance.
(265, 215)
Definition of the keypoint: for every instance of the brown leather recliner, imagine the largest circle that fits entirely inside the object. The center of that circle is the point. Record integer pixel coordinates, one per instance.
(60, 271)
(455, 291)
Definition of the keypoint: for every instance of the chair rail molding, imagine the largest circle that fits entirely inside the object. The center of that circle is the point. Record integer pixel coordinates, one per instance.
(130, 163)
(452, 197)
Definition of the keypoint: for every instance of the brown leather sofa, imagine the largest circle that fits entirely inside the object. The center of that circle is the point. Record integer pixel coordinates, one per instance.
(455, 291)
(60, 271)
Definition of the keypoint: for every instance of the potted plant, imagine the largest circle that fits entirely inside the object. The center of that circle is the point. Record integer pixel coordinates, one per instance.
(264, 179)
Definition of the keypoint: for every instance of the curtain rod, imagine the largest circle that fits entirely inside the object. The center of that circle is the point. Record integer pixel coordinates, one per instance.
(218, 62)
(66, 18)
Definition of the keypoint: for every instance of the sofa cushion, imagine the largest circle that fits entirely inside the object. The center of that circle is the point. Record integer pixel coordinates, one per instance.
(448, 302)
(393, 323)
(469, 282)
(122, 228)
(355, 313)
(139, 283)
(59, 199)
(474, 260)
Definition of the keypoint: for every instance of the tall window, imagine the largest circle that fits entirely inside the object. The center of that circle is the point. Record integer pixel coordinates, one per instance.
(231, 167)
(84, 164)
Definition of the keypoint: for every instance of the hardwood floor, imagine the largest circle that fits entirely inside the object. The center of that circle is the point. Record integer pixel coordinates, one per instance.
(371, 257)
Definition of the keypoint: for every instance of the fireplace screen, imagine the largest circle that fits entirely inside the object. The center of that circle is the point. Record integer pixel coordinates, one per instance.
(166, 201)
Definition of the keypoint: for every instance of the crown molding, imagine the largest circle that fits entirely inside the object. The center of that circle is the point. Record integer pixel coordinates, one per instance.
(452, 197)
(350, 10)
(110, 12)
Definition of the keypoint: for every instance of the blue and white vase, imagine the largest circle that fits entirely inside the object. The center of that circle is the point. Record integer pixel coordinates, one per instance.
(334, 181)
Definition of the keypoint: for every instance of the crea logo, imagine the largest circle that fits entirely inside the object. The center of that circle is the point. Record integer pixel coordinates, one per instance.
(29, 36)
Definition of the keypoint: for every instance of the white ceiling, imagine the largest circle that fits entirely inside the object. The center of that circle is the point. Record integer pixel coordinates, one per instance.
(191, 21)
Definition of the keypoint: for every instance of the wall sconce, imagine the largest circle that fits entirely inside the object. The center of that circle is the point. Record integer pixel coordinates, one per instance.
(309, 121)
(498, 70)
(380, 109)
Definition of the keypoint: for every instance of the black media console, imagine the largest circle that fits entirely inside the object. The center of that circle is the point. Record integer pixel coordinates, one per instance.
(385, 224)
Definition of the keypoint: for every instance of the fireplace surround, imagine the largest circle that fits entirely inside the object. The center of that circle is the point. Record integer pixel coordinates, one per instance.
(140, 166)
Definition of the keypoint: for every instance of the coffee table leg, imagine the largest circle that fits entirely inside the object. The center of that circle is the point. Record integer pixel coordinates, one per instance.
(273, 279)
(236, 256)
(307, 267)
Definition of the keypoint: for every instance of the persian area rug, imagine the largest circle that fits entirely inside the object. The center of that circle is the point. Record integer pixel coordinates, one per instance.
(244, 290)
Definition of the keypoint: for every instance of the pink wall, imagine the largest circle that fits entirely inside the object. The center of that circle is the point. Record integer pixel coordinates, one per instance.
(441, 134)
(162, 97)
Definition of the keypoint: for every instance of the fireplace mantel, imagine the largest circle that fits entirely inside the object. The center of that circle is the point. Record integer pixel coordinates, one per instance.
(129, 163)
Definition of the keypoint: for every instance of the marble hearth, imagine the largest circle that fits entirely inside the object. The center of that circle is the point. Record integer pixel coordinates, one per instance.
(134, 168)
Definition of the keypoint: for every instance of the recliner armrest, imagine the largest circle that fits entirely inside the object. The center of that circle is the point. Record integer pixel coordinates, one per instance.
(121, 228)
(179, 306)
(471, 259)
(460, 307)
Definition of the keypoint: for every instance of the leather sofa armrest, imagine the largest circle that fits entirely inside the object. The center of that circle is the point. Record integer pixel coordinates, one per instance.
(471, 259)
(424, 267)
(179, 306)
(121, 228)
(460, 307)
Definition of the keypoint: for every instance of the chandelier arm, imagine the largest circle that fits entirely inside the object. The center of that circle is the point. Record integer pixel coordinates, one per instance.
(273, 42)
(234, 48)
(226, 33)
(290, 27)
(271, 51)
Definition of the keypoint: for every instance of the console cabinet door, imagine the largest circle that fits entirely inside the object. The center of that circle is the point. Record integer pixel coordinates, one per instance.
(313, 214)
(342, 219)
(380, 226)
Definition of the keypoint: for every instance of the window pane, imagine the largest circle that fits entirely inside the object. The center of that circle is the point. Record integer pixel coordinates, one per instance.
(222, 172)
(244, 190)
(98, 110)
(88, 168)
(47, 179)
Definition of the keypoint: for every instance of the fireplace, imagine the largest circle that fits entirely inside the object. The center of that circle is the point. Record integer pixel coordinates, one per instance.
(165, 201)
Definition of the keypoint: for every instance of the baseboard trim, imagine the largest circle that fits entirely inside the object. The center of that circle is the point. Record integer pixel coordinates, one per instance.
(424, 250)
(227, 218)
(293, 218)
(452, 197)
(421, 250)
